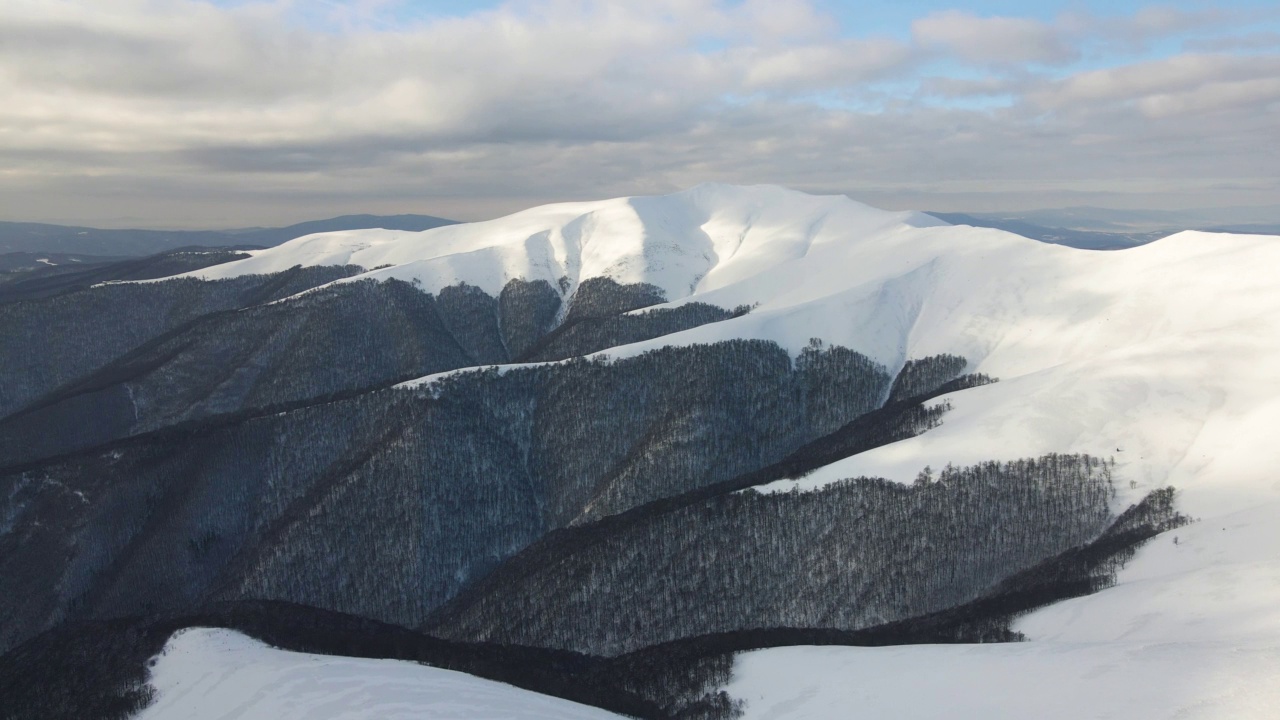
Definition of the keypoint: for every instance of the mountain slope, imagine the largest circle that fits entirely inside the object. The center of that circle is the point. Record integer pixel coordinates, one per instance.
(61, 343)
(722, 378)
(1053, 681)
(692, 242)
(404, 495)
(1163, 357)
(1159, 334)
(72, 276)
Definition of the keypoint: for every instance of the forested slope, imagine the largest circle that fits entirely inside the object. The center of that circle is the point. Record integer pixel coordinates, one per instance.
(386, 503)
(201, 359)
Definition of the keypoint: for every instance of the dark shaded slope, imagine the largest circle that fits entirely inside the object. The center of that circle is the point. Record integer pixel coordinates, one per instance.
(54, 341)
(348, 337)
(344, 337)
(597, 319)
(100, 669)
(385, 504)
(397, 495)
(22, 266)
(1075, 572)
(896, 421)
(72, 279)
(855, 554)
(588, 335)
(923, 376)
(722, 404)
(46, 238)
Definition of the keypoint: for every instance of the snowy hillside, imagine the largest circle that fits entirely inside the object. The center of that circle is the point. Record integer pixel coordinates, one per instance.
(208, 674)
(688, 243)
(493, 494)
(1165, 356)
(1047, 681)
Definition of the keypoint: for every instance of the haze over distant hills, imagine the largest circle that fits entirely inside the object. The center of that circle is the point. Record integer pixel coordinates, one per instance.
(69, 239)
(38, 245)
(1095, 228)
(1239, 219)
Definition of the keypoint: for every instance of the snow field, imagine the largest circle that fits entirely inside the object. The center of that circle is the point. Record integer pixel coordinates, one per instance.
(214, 674)
(1044, 681)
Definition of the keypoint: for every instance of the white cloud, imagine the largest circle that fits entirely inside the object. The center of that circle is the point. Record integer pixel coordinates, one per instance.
(1261, 40)
(1185, 76)
(180, 110)
(992, 40)
(950, 87)
(829, 65)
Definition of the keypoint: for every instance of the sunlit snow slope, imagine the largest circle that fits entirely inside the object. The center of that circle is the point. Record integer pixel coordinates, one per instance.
(1165, 357)
(207, 674)
(1015, 681)
(689, 243)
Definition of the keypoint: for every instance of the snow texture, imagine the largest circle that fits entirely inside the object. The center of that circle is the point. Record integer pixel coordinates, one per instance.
(213, 674)
(1016, 681)
(689, 243)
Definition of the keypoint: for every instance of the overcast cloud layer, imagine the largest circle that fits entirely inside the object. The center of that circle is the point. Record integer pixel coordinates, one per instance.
(184, 113)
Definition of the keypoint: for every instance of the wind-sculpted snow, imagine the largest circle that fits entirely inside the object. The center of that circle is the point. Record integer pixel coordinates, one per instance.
(709, 237)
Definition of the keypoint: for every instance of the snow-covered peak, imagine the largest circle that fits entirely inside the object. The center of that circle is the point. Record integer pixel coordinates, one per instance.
(698, 240)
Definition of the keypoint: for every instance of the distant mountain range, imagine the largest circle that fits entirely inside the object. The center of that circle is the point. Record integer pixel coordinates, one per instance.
(66, 239)
(1233, 219)
(41, 245)
(1093, 228)
(54, 274)
(1084, 239)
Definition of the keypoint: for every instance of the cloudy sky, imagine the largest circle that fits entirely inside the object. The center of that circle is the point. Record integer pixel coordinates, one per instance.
(189, 113)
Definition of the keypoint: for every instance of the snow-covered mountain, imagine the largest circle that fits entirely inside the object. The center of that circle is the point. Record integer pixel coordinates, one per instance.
(1163, 356)
(507, 507)
(687, 244)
